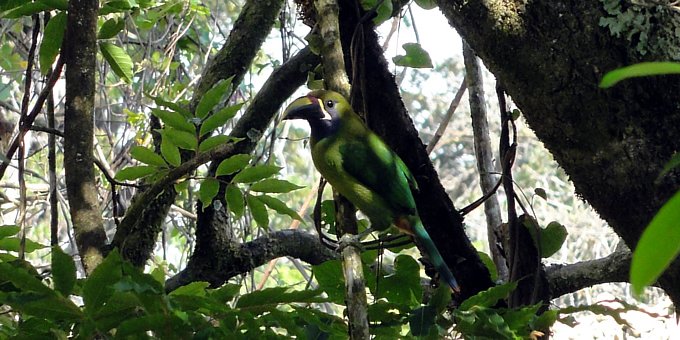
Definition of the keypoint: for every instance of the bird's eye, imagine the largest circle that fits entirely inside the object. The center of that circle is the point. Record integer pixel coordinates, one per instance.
(330, 104)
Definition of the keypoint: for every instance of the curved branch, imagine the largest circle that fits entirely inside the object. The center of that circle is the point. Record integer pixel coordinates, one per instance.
(248, 256)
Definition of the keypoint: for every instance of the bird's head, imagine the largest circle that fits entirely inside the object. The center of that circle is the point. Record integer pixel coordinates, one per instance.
(322, 109)
(317, 105)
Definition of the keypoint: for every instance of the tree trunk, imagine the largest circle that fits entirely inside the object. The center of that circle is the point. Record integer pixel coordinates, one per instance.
(550, 56)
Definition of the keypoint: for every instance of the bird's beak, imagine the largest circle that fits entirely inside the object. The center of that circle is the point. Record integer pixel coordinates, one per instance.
(307, 107)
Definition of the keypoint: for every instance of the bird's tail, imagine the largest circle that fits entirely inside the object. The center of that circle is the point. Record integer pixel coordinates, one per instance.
(424, 240)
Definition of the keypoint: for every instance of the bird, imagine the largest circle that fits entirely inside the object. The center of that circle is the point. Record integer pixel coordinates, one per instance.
(361, 167)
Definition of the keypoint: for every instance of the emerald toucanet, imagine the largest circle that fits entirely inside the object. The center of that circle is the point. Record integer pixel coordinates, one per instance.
(361, 167)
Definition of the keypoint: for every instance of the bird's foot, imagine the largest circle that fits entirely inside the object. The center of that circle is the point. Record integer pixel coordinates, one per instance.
(350, 240)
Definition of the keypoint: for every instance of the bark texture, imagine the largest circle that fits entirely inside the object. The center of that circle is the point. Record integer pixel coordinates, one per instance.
(550, 56)
(81, 58)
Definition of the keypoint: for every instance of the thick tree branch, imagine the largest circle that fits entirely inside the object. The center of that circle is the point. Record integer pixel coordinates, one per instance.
(612, 143)
(565, 279)
(238, 260)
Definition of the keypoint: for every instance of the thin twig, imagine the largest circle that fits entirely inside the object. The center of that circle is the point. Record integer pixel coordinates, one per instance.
(449, 113)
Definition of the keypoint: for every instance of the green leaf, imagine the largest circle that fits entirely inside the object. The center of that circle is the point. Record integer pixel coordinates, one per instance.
(258, 211)
(132, 173)
(63, 271)
(233, 164)
(278, 206)
(50, 307)
(9, 230)
(208, 191)
(489, 297)
(278, 295)
(170, 152)
(14, 243)
(182, 139)
(273, 185)
(147, 156)
(175, 120)
(27, 9)
(256, 173)
(639, 70)
(426, 4)
(552, 238)
(383, 12)
(98, 287)
(540, 192)
(111, 27)
(490, 265)
(658, 245)
(61, 5)
(218, 119)
(421, 320)
(212, 97)
(213, 142)
(120, 307)
(120, 61)
(172, 106)
(22, 279)
(197, 288)
(51, 43)
(331, 280)
(415, 57)
(235, 202)
(403, 287)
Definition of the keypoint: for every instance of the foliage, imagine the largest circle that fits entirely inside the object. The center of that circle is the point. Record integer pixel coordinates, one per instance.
(639, 70)
(120, 301)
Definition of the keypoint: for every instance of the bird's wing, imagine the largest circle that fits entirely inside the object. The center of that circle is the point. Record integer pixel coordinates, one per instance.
(377, 167)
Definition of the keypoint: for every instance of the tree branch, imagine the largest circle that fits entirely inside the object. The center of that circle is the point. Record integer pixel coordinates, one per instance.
(565, 279)
(295, 243)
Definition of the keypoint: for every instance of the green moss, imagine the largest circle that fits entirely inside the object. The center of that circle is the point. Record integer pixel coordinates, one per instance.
(651, 28)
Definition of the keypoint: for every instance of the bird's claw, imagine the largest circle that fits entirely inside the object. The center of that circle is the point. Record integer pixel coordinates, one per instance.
(348, 240)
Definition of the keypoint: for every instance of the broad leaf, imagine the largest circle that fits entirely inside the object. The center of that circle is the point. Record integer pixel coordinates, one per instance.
(63, 271)
(172, 106)
(111, 27)
(639, 70)
(120, 61)
(132, 173)
(489, 297)
(9, 230)
(175, 120)
(14, 243)
(212, 97)
(170, 152)
(218, 119)
(235, 202)
(98, 287)
(197, 288)
(552, 238)
(27, 9)
(426, 4)
(147, 156)
(278, 206)
(415, 57)
(256, 173)
(273, 185)
(658, 245)
(213, 142)
(22, 279)
(383, 11)
(51, 43)
(233, 164)
(49, 307)
(258, 211)
(208, 191)
(182, 139)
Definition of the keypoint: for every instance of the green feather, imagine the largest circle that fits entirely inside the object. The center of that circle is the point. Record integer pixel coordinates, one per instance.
(361, 167)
